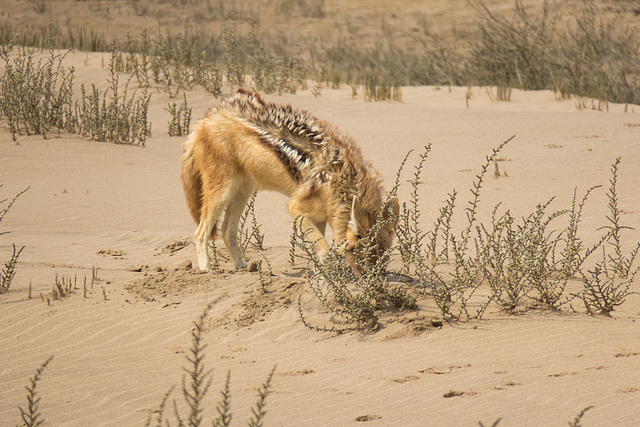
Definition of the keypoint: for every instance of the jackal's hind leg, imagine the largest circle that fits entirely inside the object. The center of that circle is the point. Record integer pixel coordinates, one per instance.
(235, 207)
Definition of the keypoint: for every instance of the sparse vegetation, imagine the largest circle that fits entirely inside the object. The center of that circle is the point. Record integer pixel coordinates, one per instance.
(35, 96)
(32, 416)
(250, 234)
(111, 115)
(524, 263)
(589, 56)
(9, 268)
(38, 96)
(197, 381)
(64, 287)
(180, 121)
(608, 283)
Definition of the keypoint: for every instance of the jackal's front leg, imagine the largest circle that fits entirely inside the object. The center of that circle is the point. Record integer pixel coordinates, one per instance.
(313, 225)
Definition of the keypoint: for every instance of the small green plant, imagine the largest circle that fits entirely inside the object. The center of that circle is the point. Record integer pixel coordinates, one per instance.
(577, 421)
(453, 286)
(250, 236)
(608, 283)
(515, 259)
(31, 416)
(197, 381)
(9, 269)
(180, 121)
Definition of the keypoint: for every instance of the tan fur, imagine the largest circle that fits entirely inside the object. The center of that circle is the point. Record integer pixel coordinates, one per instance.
(246, 144)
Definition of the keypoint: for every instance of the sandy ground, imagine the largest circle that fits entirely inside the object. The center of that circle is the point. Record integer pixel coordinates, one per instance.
(120, 208)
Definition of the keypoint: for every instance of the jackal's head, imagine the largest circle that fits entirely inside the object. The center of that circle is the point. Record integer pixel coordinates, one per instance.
(370, 234)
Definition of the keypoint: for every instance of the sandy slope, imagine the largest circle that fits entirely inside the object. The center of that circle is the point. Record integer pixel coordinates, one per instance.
(115, 358)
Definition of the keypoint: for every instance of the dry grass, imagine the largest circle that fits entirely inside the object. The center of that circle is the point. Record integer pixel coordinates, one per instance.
(592, 54)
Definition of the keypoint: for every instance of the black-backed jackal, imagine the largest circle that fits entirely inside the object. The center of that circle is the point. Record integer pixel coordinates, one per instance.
(246, 144)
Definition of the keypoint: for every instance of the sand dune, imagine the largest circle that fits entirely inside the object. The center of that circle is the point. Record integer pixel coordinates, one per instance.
(121, 208)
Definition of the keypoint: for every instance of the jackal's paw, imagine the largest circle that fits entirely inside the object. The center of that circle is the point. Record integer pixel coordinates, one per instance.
(204, 267)
(241, 265)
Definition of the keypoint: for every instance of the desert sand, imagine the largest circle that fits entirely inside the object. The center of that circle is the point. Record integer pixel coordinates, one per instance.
(120, 208)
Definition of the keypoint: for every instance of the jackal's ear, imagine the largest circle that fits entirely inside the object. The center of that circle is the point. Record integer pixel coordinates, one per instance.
(391, 212)
(353, 220)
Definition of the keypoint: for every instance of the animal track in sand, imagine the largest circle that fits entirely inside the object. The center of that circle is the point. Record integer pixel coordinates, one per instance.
(443, 369)
(506, 385)
(405, 379)
(365, 418)
(118, 254)
(298, 373)
(562, 374)
(458, 393)
(173, 247)
(627, 354)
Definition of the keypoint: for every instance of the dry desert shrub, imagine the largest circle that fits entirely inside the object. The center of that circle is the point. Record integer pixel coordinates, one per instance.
(174, 63)
(524, 262)
(35, 96)
(272, 72)
(585, 54)
(8, 270)
(180, 121)
(591, 57)
(250, 234)
(353, 300)
(304, 8)
(608, 283)
(111, 115)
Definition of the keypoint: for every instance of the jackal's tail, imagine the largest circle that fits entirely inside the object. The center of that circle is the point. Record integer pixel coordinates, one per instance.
(191, 180)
